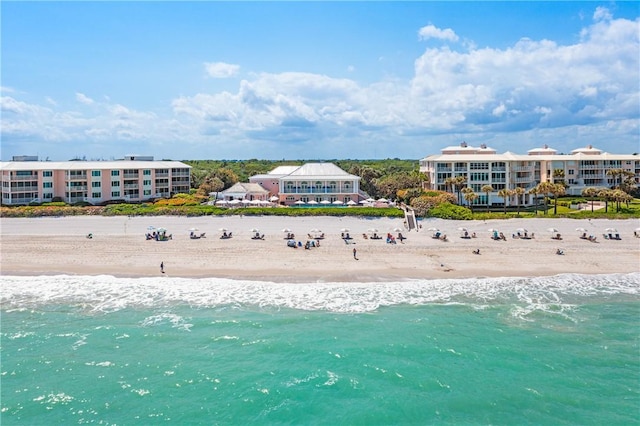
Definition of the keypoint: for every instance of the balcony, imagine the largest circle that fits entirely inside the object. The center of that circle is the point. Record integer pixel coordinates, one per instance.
(131, 186)
(20, 178)
(75, 178)
(131, 175)
(162, 174)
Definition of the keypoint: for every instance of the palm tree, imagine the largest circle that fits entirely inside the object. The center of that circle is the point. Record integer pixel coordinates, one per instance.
(556, 190)
(534, 191)
(469, 196)
(487, 189)
(518, 191)
(448, 183)
(505, 193)
(607, 194)
(458, 183)
(590, 192)
(614, 173)
(558, 174)
(545, 188)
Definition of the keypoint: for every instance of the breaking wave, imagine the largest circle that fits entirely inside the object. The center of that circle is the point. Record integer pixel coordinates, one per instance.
(103, 294)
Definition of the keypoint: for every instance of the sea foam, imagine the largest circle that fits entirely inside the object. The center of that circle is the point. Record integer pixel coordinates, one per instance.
(102, 294)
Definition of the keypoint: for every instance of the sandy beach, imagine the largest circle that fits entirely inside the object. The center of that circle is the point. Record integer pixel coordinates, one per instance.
(36, 246)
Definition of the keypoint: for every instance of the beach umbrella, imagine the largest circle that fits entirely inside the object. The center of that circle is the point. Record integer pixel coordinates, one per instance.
(373, 230)
(552, 230)
(436, 229)
(223, 229)
(315, 230)
(581, 230)
(462, 229)
(365, 202)
(193, 229)
(151, 228)
(234, 202)
(383, 200)
(396, 229)
(245, 201)
(344, 230)
(286, 230)
(337, 202)
(222, 202)
(325, 202)
(299, 202)
(274, 198)
(521, 230)
(312, 202)
(370, 200)
(611, 230)
(254, 230)
(162, 229)
(254, 202)
(351, 203)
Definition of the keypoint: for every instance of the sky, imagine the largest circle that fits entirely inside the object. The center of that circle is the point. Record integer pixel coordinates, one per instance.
(316, 80)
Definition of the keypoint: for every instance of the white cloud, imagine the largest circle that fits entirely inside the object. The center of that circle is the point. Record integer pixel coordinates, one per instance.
(84, 99)
(430, 31)
(538, 89)
(221, 69)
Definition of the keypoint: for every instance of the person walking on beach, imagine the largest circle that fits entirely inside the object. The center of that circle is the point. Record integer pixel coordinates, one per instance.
(162, 267)
(355, 254)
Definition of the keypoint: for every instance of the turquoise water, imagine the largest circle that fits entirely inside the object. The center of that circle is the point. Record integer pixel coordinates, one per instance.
(560, 350)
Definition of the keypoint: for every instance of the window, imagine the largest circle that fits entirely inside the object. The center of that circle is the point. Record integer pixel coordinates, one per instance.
(479, 166)
(146, 182)
(115, 172)
(47, 173)
(47, 184)
(95, 184)
(47, 195)
(115, 193)
(571, 171)
(96, 194)
(347, 186)
(147, 192)
(115, 183)
(147, 172)
(95, 173)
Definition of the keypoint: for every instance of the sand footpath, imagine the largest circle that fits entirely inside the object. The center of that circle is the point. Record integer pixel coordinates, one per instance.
(35, 246)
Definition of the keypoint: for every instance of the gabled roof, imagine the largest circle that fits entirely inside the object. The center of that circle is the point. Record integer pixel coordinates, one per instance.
(321, 170)
(242, 187)
(283, 170)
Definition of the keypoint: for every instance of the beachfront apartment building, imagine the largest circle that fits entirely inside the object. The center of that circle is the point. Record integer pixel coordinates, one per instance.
(132, 179)
(582, 168)
(311, 183)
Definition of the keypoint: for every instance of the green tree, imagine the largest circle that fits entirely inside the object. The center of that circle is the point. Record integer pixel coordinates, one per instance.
(607, 195)
(558, 174)
(210, 184)
(459, 182)
(534, 191)
(487, 189)
(545, 188)
(590, 193)
(505, 193)
(469, 196)
(227, 176)
(557, 190)
(388, 186)
(518, 192)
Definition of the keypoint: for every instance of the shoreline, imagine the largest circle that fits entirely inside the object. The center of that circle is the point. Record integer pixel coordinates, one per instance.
(58, 246)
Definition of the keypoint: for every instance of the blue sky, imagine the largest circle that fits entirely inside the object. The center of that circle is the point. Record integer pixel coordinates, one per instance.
(316, 80)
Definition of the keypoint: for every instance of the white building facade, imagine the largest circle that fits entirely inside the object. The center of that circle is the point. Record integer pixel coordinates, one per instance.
(583, 168)
(311, 183)
(133, 179)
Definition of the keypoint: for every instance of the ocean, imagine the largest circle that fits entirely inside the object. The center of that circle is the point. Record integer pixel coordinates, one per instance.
(560, 350)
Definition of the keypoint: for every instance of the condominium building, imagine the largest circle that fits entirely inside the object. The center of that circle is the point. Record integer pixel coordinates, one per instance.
(582, 168)
(311, 183)
(132, 179)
